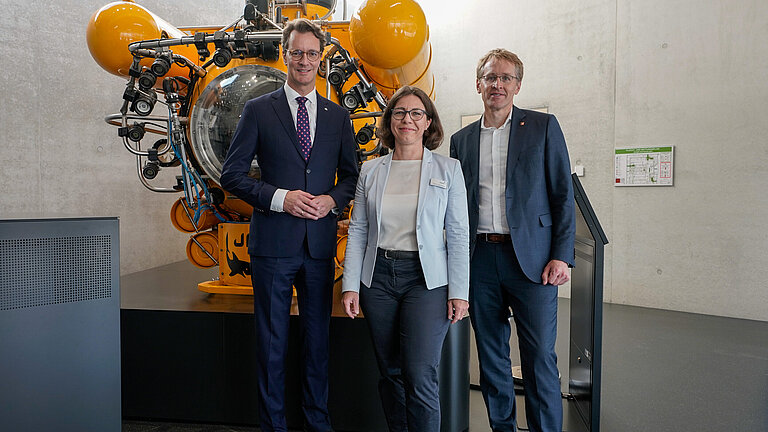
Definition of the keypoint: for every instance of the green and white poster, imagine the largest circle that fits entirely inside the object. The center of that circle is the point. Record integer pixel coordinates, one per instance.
(644, 166)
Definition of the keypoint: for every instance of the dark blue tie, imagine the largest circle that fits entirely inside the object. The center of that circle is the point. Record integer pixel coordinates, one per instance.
(302, 127)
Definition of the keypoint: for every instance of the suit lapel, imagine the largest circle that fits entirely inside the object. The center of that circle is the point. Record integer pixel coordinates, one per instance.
(426, 174)
(321, 122)
(474, 163)
(380, 183)
(517, 134)
(283, 111)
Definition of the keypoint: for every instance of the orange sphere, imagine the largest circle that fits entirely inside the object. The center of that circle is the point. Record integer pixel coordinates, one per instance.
(113, 27)
(388, 33)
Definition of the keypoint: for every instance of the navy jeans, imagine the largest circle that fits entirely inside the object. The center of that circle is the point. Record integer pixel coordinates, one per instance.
(408, 324)
(497, 283)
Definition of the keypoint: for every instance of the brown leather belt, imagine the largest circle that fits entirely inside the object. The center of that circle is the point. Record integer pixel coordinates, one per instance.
(494, 238)
(397, 254)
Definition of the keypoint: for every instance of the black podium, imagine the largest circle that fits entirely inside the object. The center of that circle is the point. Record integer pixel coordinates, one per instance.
(585, 353)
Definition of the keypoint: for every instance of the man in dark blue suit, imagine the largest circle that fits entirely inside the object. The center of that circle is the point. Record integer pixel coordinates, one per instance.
(521, 225)
(302, 143)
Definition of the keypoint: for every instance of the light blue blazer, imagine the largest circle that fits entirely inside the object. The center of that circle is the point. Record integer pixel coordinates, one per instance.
(442, 224)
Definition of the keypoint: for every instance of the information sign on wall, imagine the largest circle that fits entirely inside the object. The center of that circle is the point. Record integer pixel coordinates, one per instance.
(645, 166)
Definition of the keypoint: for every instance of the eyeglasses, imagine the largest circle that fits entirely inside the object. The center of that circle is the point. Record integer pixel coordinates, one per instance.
(416, 114)
(505, 79)
(296, 55)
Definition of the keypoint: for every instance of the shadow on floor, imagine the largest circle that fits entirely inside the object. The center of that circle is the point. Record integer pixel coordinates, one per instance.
(144, 426)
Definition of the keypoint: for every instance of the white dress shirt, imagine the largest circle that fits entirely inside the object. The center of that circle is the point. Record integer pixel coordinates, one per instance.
(279, 197)
(494, 144)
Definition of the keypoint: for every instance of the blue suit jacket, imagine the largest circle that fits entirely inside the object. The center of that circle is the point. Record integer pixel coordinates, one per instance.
(441, 225)
(266, 131)
(539, 193)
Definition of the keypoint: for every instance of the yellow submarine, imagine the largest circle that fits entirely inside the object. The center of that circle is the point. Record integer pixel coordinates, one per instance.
(187, 87)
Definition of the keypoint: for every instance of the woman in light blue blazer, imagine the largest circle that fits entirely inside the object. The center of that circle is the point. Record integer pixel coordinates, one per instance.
(407, 258)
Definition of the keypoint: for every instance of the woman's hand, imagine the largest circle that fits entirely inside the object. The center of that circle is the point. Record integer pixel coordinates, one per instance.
(457, 310)
(351, 302)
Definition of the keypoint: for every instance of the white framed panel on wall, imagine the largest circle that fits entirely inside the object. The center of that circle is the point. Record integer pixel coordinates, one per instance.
(644, 166)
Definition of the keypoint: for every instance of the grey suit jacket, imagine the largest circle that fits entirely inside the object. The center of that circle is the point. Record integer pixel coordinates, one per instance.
(442, 225)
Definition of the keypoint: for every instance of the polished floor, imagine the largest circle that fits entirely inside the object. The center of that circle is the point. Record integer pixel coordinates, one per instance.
(662, 371)
(478, 422)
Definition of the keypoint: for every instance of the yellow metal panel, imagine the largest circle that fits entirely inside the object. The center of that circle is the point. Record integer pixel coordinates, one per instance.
(216, 287)
(234, 260)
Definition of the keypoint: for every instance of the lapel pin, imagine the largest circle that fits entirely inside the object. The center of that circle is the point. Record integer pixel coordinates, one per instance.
(522, 123)
(325, 108)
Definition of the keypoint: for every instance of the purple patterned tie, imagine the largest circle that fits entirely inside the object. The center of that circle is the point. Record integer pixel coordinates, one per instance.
(302, 127)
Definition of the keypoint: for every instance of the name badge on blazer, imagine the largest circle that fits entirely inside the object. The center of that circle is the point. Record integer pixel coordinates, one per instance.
(439, 183)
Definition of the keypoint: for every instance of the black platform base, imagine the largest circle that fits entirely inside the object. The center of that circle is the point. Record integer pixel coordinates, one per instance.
(188, 356)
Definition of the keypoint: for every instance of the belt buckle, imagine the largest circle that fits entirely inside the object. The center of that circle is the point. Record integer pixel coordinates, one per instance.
(386, 254)
(493, 238)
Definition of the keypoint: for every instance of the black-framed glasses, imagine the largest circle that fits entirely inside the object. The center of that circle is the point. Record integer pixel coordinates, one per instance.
(312, 55)
(416, 114)
(491, 78)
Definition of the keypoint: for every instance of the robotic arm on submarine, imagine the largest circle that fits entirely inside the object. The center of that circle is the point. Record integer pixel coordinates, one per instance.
(187, 87)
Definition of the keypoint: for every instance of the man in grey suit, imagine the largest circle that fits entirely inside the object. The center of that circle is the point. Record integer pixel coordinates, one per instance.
(521, 225)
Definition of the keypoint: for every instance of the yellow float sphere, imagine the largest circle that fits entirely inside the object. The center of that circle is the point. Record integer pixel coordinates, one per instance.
(388, 33)
(113, 27)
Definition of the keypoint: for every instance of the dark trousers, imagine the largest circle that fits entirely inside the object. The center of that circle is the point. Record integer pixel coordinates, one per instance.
(497, 283)
(408, 324)
(273, 281)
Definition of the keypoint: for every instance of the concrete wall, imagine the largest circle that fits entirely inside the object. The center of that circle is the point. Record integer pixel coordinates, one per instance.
(57, 155)
(615, 72)
(694, 78)
(634, 74)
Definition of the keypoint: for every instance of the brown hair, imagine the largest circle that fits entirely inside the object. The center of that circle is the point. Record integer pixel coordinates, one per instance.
(302, 25)
(433, 136)
(502, 54)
